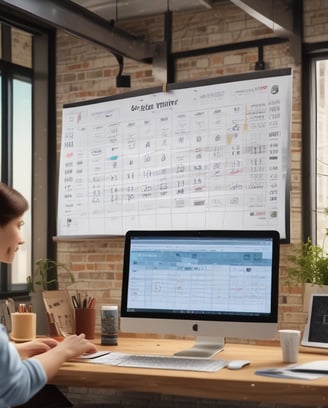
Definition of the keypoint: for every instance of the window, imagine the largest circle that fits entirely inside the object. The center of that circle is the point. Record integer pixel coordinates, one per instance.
(25, 116)
(321, 196)
(16, 139)
(315, 141)
(22, 171)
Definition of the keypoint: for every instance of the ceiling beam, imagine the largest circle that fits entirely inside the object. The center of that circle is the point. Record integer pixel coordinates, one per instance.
(283, 17)
(74, 19)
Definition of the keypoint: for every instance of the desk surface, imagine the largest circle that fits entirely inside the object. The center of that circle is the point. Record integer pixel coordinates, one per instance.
(224, 384)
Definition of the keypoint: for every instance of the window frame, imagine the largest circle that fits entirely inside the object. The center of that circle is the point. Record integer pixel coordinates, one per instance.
(312, 54)
(44, 167)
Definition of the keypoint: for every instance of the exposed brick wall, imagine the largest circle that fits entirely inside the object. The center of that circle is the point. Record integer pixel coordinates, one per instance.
(86, 71)
(315, 21)
(97, 266)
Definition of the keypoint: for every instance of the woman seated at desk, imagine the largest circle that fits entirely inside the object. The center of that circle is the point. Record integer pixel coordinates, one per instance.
(27, 367)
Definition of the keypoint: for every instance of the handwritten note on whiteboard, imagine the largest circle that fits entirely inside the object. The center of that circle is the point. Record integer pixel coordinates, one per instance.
(208, 156)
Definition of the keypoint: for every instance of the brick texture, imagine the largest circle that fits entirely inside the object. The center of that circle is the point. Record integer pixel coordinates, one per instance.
(86, 71)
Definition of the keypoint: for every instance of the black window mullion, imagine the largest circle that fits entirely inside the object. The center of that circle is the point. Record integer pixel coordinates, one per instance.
(6, 135)
(6, 159)
(7, 131)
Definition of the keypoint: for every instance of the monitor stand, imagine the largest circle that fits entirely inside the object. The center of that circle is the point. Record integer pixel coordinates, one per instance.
(204, 347)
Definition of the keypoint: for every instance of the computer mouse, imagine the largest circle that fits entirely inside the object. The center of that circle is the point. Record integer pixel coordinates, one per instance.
(237, 364)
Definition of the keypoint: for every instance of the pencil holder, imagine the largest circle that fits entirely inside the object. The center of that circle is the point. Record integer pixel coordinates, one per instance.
(85, 322)
(23, 326)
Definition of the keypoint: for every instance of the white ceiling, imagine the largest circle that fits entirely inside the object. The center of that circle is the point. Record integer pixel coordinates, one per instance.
(123, 9)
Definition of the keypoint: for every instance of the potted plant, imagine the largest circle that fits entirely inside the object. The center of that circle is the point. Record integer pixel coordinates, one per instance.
(308, 265)
(45, 278)
(45, 274)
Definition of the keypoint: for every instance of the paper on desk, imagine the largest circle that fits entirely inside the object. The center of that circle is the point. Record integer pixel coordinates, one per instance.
(306, 371)
(288, 373)
(318, 367)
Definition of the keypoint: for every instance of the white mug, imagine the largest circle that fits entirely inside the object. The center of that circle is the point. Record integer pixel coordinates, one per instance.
(289, 342)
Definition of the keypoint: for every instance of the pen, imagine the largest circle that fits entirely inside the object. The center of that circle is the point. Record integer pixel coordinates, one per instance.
(91, 303)
(22, 308)
(84, 305)
(75, 302)
(87, 302)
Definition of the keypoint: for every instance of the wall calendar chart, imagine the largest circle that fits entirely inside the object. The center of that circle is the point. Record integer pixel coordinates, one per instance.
(209, 154)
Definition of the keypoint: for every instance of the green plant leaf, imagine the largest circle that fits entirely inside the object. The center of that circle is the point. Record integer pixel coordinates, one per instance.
(308, 264)
(41, 271)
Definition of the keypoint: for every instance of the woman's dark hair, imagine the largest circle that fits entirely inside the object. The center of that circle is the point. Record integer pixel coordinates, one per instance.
(12, 204)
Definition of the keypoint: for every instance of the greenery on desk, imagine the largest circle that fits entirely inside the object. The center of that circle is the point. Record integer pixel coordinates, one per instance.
(45, 274)
(309, 264)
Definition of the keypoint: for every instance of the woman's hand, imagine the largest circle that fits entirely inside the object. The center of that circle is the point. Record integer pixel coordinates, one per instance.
(35, 347)
(72, 346)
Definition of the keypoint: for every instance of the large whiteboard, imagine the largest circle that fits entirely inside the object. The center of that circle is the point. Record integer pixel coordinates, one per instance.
(208, 155)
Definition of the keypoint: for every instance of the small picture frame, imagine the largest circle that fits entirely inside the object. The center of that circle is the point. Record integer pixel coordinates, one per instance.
(60, 311)
(316, 328)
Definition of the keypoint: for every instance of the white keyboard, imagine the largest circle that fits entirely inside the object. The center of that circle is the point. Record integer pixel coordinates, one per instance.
(160, 362)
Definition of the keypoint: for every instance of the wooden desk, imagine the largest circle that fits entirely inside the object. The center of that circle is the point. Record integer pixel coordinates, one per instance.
(225, 384)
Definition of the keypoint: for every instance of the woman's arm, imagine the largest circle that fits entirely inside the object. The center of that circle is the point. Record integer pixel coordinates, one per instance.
(71, 347)
(31, 348)
(19, 380)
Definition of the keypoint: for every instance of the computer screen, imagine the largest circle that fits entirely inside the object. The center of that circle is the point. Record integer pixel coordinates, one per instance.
(207, 284)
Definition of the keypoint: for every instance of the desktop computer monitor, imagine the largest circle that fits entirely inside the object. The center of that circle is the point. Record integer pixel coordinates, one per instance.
(207, 284)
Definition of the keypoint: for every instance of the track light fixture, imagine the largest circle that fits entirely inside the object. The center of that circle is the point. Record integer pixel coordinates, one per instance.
(122, 81)
(260, 64)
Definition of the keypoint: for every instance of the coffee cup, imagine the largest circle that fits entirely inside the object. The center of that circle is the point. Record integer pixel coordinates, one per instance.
(289, 342)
